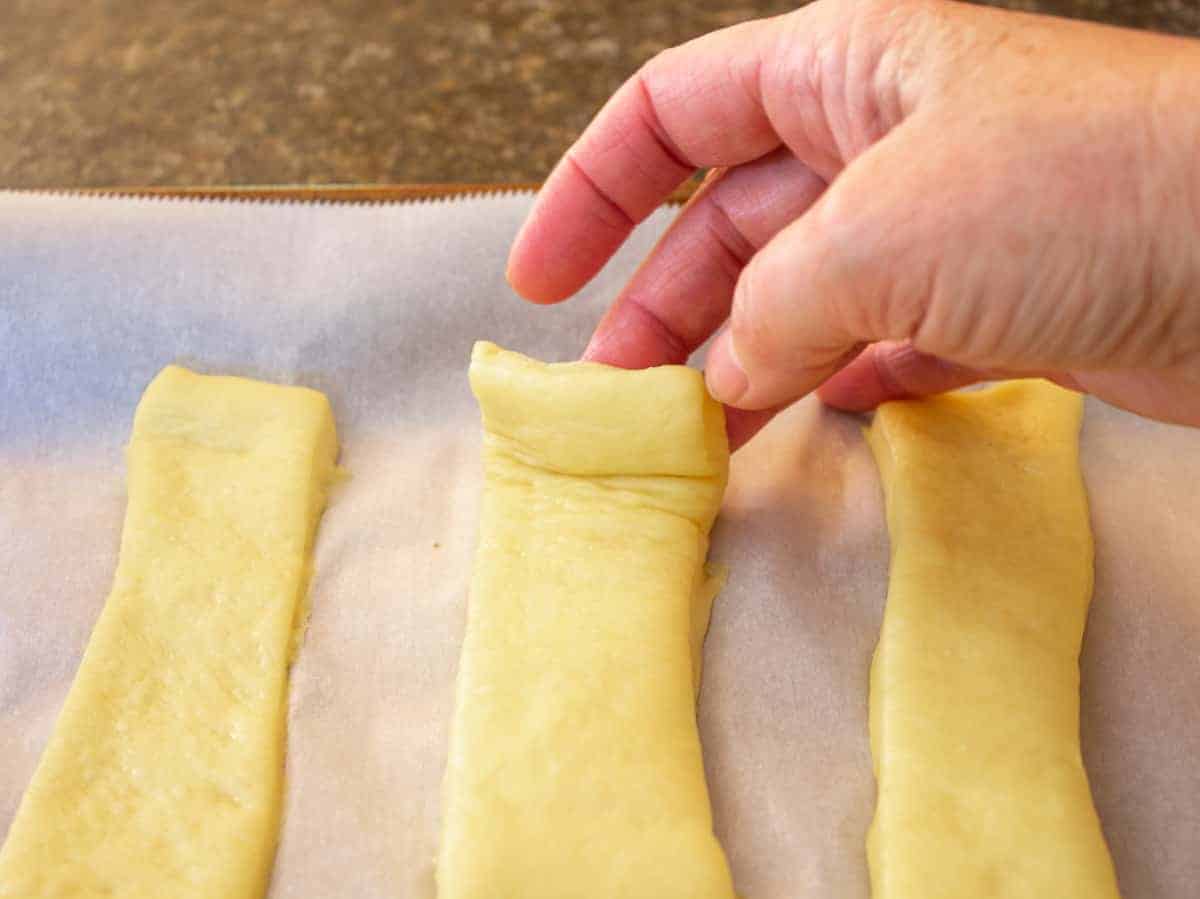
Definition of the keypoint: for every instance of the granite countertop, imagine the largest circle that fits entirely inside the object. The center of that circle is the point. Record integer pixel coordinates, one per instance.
(204, 92)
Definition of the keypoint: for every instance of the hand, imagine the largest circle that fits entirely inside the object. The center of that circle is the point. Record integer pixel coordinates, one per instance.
(907, 197)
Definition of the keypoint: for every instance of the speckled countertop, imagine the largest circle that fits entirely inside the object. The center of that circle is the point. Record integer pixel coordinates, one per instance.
(203, 92)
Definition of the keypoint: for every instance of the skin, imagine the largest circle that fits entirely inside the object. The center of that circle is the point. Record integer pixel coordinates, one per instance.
(905, 197)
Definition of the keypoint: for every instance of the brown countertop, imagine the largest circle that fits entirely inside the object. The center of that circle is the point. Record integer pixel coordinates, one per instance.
(103, 92)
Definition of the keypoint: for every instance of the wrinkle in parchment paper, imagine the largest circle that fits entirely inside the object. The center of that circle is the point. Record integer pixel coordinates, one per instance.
(378, 306)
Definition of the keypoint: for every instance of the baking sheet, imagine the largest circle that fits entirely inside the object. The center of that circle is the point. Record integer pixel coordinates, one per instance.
(378, 306)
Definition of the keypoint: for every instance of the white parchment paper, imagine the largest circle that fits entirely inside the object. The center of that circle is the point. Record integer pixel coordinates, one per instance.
(378, 307)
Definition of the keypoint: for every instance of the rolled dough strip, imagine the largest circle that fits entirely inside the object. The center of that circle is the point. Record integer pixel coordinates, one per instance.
(574, 769)
(975, 682)
(163, 776)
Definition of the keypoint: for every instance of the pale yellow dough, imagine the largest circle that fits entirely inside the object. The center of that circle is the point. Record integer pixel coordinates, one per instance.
(975, 682)
(575, 769)
(163, 776)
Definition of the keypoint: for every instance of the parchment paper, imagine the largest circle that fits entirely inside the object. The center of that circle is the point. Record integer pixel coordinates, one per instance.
(378, 306)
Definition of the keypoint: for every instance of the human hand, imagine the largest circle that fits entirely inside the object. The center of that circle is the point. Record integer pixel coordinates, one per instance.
(907, 197)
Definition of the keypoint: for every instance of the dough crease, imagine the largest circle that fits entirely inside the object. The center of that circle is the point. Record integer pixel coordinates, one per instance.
(574, 769)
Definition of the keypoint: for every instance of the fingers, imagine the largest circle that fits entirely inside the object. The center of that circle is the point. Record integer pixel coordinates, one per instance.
(821, 81)
(682, 292)
(805, 304)
(1169, 395)
(854, 270)
(892, 370)
(692, 106)
(896, 370)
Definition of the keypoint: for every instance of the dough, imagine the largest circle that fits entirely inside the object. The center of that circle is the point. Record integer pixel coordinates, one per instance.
(975, 683)
(163, 776)
(574, 769)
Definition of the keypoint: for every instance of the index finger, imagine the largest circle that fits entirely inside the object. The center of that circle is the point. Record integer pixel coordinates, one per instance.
(695, 105)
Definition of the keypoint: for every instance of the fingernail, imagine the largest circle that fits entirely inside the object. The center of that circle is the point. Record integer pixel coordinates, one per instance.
(726, 378)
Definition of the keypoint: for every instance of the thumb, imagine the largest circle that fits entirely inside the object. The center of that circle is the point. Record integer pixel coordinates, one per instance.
(847, 273)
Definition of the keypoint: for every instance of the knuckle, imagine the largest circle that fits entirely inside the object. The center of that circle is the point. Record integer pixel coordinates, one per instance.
(653, 70)
(877, 264)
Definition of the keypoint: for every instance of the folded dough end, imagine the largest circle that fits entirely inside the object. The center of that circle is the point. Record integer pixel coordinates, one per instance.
(583, 418)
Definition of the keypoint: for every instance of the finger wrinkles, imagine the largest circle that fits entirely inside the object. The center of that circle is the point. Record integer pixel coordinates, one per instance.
(669, 309)
(628, 156)
(682, 294)
(726, 234)
(703, 98)
(832, 87)
(654, 126)
(620, 218)
(665, 346)
(760, 199)
(792, 99)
